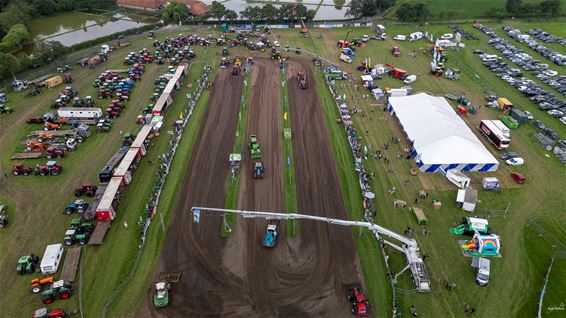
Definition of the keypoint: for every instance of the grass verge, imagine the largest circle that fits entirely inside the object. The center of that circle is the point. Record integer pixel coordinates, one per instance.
(289, 187)
(233, 183)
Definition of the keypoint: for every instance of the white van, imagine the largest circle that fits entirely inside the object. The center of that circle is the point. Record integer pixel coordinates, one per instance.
(490, 58)
(483, 266)
(51, 259)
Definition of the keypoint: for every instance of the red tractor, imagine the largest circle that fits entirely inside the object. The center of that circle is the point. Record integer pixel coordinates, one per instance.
(87, 189)
(360, 303)
(236, 70)
(21, 170)
(54, 152)
(51, 168)
(395, 51)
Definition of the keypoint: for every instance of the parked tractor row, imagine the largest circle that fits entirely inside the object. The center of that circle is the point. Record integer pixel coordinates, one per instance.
(51, 168)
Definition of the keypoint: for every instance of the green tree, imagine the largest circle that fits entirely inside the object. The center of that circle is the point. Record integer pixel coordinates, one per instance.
(421, 12)
(174, 12)
(251, 13)
(217, 10)
(339, 4)
(551, 7)
(310, 15)
(362, 8)
(287, 12)
(230, 15)
(8, 64)
(17, 36)
(14, 14)
(269, 12)
(514, 6)
(383, 5)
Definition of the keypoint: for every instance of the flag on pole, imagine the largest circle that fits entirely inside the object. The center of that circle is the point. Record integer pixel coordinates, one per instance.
(181, 116)
(285, 116)
(288, 160)
(196, 216)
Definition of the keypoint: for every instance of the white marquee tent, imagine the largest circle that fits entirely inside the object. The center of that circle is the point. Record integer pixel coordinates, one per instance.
(441, 139)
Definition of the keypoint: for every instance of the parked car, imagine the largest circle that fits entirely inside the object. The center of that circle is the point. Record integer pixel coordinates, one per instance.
(555, 113)
(508, 155)
(518, 177)
(517, 161)
(563, 120)
(539, 124)
(528, 114)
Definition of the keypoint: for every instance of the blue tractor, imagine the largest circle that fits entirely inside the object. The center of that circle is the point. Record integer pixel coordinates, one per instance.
(270, 237)
(258, 170)
(78, 206)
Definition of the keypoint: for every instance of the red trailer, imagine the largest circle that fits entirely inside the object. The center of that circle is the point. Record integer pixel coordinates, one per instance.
(106, 208)
(396, 72)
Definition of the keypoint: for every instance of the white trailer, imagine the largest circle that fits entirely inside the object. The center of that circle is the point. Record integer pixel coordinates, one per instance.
(141, 137)
(79, 112)
(51, 259)
(457, 178)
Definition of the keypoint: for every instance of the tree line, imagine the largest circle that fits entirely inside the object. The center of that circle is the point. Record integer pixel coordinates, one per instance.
(287, 12)
(547, 8)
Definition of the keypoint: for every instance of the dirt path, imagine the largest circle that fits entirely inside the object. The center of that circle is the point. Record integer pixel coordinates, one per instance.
(334, 261)
(193, 249)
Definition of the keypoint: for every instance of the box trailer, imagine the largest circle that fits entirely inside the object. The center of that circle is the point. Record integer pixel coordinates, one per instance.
(161, 105)
(483, 266)
(52, 81)
(108, 171)
(128, 165)
(519, 115)
(79, 112)
(106, 210)
(496, 132)
(51, 259)
(142, 138)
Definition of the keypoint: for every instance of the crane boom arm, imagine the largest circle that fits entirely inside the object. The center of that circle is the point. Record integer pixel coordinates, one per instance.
(292, 216)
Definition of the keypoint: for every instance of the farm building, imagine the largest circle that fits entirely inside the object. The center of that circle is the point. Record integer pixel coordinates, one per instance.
(441, 139)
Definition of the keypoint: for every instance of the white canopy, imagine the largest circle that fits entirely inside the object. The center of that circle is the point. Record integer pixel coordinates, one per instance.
(441, 138)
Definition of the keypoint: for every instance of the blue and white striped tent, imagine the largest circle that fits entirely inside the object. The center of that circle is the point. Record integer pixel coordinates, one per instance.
(441, 139)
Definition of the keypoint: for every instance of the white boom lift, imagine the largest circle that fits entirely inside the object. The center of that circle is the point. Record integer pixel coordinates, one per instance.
(409, 246)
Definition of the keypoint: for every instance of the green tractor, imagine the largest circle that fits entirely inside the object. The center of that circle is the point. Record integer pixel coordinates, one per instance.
(129, 138)
(78, 232)
(161, 294)
(255, 151)
(225, 52)
(58, 290)
(5, 109)
(27, 264)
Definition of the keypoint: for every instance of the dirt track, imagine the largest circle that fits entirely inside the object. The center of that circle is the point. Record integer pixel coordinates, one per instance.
(203, 278)
(238, 277)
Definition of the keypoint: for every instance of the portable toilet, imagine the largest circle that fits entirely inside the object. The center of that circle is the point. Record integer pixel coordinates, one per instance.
(224, 27)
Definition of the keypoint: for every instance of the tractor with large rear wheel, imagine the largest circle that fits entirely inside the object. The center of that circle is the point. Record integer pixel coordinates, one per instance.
(57, 290)
(21, 170)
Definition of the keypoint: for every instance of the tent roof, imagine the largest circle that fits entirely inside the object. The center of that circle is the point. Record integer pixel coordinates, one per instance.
(440, 136)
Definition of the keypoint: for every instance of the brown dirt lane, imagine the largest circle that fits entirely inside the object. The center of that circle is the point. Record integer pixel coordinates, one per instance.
(190, 248)
(334, 260)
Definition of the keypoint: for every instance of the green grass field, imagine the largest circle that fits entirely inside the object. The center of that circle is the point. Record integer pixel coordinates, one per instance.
(454, 10)
(517, 277)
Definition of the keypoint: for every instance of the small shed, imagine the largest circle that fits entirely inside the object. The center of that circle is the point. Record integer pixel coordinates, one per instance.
(466, 199)
(504, 104)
